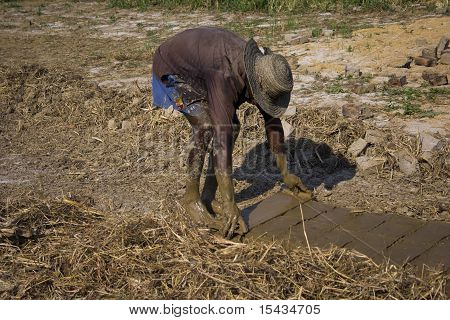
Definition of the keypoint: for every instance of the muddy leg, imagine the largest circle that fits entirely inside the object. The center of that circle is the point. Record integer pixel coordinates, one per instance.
(201, 137)
(210, 187)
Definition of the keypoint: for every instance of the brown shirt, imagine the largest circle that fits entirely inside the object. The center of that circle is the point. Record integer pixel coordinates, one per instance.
(211, 60)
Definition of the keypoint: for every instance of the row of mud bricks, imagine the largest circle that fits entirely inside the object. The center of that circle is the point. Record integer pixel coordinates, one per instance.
(393, 238)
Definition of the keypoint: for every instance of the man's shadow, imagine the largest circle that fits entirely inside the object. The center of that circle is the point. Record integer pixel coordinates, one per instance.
(315, 163)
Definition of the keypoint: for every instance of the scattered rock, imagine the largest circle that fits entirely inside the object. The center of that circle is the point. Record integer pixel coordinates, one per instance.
(397, 81)
(426, 62)
(442, 45)
(435, 79)
(429, 53)
(379, 80)
(327, 32)
(287, 128)
(352, 71)
(351, 110)
(374, 136)
(357, 147)
(112, 124)
(365, 163)
(445, 58)
(406, 162)
(290, 111)
(406, 64)
(430, 143)
(297, 39)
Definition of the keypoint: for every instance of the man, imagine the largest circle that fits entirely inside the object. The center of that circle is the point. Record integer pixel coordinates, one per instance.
(207, 73)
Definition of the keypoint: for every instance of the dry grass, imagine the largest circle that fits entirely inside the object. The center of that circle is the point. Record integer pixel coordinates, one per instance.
(50, 249)
(56, 250)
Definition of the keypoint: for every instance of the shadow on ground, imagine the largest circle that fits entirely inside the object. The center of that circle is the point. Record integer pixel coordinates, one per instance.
(315, 163)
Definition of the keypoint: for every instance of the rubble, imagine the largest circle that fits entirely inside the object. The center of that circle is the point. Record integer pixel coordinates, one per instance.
(397, 81)
(369, 164)
(435, 79)
(357, 147)
(374, 136)
(407, 163)
(442, 45)
(287, 128)
(351, 110)
(426, 62)
(445, 58)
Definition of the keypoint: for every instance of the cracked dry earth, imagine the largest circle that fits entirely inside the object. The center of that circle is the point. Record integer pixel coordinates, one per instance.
(76, 115)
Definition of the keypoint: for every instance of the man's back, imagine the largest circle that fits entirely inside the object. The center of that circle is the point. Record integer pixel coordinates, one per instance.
(201, 56)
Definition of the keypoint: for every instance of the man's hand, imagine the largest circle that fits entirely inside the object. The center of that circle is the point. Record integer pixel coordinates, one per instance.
(294, 183)
(233, 219)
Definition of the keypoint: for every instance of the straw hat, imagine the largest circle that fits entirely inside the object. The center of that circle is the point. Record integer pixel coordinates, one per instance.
(270, 78)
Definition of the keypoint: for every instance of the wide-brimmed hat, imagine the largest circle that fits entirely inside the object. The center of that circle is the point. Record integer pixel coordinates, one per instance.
(270, 78)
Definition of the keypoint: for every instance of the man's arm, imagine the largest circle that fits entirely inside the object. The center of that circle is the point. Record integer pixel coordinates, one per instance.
(275, 138)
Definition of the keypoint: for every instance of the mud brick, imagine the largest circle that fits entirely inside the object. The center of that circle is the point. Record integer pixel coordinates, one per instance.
(426, 62)
(336, 237)
(362, 223)
(315, 229)
(317, 206)
(336, 215)
(415, 244)
(268, 209)
(366, 249)
(278, 226)
(396, 227)
(437, 255)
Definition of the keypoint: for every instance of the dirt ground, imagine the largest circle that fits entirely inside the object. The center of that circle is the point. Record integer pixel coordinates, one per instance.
(77, 122)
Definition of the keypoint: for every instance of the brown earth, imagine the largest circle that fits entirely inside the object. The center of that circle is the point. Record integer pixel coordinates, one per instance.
(69, 69)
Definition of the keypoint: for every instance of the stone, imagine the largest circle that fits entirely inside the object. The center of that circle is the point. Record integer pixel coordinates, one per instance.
(357, 147)
(430, 143)
(112, 124)
(327, 32)
(287, 128)
(352, 71)
(397, 81)
(425, 62)
(365, 163)
(379, 80)
(445, 58)
(351, 110)
(294, 39)
(435, 79)
(406, 162)
(374, 136)
(429, 53)
(406, 64)
(290, 111)
(442, 45)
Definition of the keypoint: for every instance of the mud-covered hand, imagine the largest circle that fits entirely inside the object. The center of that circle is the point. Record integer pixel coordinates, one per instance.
(233, 219)
(231, 212)
(294, 183)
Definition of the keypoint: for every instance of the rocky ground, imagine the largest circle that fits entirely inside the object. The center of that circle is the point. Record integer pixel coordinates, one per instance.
(368, 119)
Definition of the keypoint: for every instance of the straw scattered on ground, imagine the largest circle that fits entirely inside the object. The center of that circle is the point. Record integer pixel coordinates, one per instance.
(66, 250)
